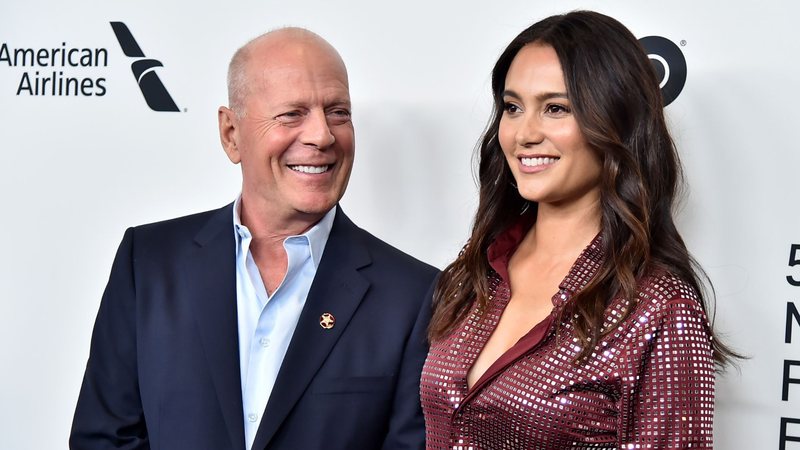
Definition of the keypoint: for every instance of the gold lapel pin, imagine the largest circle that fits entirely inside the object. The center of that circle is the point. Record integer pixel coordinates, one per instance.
(327, 321)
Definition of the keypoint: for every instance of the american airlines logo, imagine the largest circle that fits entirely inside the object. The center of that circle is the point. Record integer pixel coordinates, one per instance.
(143, 68)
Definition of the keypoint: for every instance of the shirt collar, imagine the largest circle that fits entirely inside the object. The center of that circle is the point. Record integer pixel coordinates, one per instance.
(317, 235)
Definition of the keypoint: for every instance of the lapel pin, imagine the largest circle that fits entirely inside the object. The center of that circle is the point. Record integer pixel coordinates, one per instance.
(327, 321)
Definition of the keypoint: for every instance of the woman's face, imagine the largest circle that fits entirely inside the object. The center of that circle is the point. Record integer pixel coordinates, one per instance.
(543, 145)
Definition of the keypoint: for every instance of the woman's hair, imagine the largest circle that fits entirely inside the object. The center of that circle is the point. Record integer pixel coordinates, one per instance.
(618, 106)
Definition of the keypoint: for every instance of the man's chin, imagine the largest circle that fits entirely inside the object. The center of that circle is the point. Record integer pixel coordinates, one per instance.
(315, 208)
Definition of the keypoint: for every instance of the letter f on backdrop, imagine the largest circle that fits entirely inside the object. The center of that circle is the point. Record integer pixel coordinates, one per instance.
(155, 94)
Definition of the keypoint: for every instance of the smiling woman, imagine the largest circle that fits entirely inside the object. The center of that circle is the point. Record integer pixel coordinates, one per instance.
(574, 317)
(540, 137)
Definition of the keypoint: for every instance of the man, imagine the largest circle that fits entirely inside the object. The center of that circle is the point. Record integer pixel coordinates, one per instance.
(274, 322)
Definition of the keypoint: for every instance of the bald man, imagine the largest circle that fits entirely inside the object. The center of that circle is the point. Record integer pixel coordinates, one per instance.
(273, 322)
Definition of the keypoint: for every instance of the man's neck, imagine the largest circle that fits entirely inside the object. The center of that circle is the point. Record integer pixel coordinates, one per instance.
(268, 230)
(268, 225)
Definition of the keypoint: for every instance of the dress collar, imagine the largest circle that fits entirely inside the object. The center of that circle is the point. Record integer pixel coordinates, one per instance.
(582, 271)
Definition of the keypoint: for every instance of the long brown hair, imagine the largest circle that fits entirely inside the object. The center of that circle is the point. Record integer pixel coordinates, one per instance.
(619, 108)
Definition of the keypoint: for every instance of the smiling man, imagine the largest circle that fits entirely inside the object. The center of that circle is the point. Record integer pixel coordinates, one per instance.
(274, 322)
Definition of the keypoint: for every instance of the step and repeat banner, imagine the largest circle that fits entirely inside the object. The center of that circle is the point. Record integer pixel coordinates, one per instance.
(109, 120)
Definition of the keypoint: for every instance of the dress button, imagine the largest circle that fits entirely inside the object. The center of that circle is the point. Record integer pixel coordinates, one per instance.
(252, 417)
(264, 342)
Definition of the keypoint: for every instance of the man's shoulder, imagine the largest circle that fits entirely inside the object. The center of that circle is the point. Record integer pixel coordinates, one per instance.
(189, 222)
(179, 230)
(386, 255)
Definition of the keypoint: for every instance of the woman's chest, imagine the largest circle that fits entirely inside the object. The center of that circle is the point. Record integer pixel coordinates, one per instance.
(538, 395)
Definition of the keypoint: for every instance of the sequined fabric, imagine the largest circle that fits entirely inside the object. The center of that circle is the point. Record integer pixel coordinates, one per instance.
(649, 384)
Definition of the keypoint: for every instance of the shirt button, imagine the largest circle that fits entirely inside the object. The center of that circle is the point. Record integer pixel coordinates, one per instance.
(264, 342)
(252, 417)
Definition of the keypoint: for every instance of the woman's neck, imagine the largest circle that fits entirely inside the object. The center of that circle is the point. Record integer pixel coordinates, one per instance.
(559, 232)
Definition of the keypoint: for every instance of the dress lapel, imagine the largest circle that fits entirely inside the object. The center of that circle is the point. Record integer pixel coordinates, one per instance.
(338, 289)
(213, 269)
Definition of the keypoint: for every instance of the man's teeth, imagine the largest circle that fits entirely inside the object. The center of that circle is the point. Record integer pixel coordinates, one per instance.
(310, 169)
(533, 162)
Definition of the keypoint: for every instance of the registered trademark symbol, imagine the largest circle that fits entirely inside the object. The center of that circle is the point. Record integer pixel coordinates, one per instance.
(683, 43)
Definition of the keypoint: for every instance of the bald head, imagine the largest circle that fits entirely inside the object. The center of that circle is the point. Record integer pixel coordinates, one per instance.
(275, 49)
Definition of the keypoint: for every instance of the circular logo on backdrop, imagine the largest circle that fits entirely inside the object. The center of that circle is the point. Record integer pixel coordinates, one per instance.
(669, 64)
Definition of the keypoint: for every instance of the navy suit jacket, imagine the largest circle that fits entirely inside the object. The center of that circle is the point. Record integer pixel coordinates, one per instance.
(163, 369)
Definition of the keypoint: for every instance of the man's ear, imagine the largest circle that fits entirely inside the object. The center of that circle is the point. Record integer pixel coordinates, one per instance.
(228, 134)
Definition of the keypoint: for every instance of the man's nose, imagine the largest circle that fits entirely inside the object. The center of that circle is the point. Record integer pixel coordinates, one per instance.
(316, 130)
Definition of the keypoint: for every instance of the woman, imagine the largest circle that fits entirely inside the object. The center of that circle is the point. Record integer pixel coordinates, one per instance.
(573, 317)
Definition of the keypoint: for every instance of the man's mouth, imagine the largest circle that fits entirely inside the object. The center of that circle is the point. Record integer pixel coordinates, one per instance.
(310, 169)
(533, 162)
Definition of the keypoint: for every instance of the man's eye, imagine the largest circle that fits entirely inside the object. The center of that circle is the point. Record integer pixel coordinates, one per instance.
(289, 117)
(340, 112)
(339, 115)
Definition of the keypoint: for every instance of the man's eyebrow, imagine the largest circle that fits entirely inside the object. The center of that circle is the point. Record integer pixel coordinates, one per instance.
(327, 103)
(339, 102)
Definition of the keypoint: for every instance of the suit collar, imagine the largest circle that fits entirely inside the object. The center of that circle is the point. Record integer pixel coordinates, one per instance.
(213, 263)
(338, 289)
(219, 222)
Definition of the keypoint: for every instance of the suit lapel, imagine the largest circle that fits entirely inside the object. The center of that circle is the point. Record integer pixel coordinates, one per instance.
(338, 289)
(213, 269)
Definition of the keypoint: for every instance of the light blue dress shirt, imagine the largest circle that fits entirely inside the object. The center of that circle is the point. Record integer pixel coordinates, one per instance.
(266, 323)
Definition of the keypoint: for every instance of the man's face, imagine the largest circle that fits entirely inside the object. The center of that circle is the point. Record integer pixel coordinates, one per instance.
(295, 138)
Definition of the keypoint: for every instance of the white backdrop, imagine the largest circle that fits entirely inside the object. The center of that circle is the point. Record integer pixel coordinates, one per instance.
(76, 170)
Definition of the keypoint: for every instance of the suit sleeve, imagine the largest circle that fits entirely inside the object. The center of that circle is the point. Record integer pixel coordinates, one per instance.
(407, 424)
(109, 412)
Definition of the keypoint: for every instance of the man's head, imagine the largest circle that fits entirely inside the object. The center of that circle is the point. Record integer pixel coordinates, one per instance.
(289, 124)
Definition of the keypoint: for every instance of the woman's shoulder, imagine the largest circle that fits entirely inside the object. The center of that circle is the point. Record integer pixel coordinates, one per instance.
(668, 307)
(667, 285)
(662, 292)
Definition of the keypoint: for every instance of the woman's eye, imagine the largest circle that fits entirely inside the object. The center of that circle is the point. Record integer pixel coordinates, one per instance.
(556, 109)
(510, 108)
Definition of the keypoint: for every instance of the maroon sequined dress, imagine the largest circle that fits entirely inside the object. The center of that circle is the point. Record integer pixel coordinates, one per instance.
(649, 384)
